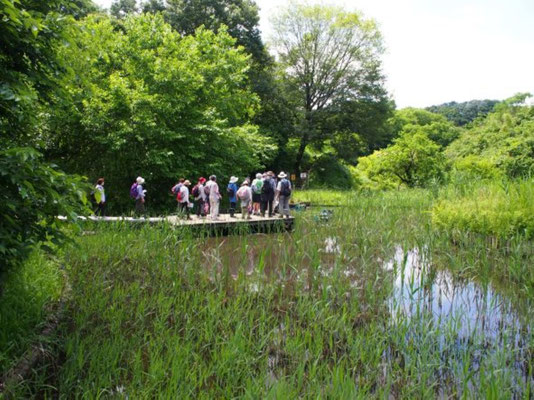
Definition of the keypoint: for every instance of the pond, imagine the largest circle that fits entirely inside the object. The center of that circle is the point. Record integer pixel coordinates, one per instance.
(460, 315)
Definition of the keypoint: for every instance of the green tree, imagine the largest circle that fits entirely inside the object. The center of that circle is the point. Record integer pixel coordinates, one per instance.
(504, 139)
(239, 16)
(327, 53)
(412, 160)
(153, 6)
(33, 192)
(147, 101)
(121, 8)
(462, 114)
(436, 126)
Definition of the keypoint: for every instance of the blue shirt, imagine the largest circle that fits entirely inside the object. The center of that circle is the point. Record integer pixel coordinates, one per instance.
(233, 186)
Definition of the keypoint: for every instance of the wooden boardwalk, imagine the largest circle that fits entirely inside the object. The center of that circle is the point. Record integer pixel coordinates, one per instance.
(224, 224)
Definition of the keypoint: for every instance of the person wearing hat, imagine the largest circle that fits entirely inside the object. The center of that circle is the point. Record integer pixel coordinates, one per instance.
(184, 204)
(200, 197)
(232, 190)
(140, 198)
(214, 197)
(245, 195)
(284, 193)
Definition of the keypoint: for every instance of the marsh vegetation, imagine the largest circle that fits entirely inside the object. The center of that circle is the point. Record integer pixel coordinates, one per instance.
(374, 301)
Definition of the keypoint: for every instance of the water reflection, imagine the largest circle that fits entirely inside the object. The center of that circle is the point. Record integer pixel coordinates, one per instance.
(466, 306)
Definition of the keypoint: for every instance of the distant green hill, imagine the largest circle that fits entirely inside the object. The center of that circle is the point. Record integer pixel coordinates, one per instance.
(461, 114)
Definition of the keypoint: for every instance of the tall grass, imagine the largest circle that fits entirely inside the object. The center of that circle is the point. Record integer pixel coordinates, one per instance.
(25, 295)
(499, 209)
(159, 313)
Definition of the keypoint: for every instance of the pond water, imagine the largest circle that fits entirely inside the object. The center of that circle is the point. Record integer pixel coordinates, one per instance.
(470, 307)
(417, 288)
(465, 313)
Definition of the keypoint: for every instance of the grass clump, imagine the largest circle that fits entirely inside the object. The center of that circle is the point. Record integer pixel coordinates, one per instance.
(323, 197)
(25, 294)
(494, 209)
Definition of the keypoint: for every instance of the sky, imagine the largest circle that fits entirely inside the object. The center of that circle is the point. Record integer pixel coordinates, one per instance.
(439, 51)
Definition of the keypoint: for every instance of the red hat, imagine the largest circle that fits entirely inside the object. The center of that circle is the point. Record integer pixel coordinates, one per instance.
(202, 179)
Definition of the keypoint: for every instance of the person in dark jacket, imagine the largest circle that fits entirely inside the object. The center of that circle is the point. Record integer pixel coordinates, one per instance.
(267, 195)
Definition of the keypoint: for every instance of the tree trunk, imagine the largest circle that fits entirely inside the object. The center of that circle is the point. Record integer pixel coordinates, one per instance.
(303, 144)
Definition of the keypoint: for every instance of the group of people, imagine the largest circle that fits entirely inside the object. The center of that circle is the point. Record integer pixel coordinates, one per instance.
(261, 196)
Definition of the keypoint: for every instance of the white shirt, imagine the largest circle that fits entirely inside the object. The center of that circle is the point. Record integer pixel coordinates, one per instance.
(140, 192)
(185, 194)
(100, 188)
(201, 193)
(214, 190)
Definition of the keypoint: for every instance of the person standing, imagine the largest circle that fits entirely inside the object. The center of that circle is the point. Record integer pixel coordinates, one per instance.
(245, 195)
(232, 190)
(184, 204)
(267, 196)
(256, 193)
(100, 197)
(199, 195)
(284, 193)
(214, 197)
(140, 197)
(175, 190)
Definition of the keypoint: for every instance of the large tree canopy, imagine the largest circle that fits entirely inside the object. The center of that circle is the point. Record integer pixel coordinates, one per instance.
(146, 101)
(329, 55)
(436, 126)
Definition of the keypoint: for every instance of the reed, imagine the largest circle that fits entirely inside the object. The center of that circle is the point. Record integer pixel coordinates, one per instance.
(336, 309)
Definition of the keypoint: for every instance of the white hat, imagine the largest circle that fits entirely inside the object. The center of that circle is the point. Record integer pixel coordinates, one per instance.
(140, 180)
(258, 176)
(234, 179)
(282, 175)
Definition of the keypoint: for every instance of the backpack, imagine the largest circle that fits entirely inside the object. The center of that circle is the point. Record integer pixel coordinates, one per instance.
(179, 196)
(285, 190)
(196, 191)
(267, 187)
(207, 189)
(257, 186)
(230, 190)
(243, 194)
(176, 188)
(133, 191)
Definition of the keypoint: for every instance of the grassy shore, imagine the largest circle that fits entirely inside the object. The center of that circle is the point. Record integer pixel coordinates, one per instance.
(310, 313)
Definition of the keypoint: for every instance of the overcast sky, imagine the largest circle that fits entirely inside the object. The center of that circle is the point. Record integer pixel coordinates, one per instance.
(440, 51)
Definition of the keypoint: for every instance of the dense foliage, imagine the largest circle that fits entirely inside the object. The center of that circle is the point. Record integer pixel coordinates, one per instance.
(412, 160)
(33, 191)
(435, 126)
(461, 114)
(504, 140)
(142, 100)
(33, 194)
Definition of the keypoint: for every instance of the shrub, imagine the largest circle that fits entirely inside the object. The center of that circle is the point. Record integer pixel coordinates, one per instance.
(413, 160)
(33, 194)
(328, 171)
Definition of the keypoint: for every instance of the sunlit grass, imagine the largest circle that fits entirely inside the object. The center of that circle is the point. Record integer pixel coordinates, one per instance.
(156, 312)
